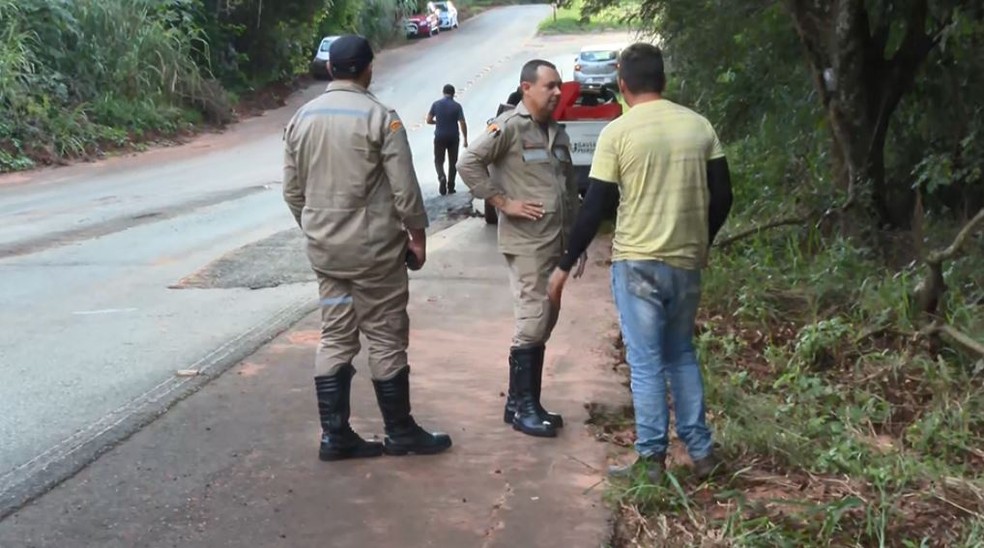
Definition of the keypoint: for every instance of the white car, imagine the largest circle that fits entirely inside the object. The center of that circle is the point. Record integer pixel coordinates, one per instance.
(446, 12)
(319, 65)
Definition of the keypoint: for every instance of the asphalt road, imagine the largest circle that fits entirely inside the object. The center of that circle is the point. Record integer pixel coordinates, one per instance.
(116, 275)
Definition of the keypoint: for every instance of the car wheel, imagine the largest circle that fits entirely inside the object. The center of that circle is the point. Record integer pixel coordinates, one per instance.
(491, 215)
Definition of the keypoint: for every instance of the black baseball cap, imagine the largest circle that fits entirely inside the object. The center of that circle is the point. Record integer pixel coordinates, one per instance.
(350, 55)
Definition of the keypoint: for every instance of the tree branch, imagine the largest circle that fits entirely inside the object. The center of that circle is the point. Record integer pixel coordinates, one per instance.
(789, 221)
(879, 38)
(850, 37)
(903, 66)
(937, 257)
(929, 291)
(812, 23)
(962, 339)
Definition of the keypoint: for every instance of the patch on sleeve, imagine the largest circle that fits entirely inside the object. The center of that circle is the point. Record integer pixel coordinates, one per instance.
(396, 125)
(493, 129)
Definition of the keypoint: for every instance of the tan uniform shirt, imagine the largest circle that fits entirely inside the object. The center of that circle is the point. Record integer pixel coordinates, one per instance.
(518, 158)
(349, 181)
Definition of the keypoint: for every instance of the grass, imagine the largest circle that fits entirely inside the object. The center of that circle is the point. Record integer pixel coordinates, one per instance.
(572, 20)
(839, 425)
(137, 81)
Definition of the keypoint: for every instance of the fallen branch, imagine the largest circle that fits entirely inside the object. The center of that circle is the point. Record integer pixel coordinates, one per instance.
(962, 339)
(820, 218)
(789, 221)
(938, 257)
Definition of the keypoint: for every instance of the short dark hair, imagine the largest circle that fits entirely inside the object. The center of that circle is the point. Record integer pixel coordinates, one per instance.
(448, 89)
(640, 66)
(348, 77)
(515, 97)
(530, 69)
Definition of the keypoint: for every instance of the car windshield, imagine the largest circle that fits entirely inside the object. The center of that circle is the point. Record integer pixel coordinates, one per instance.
(598, 56)
(325, 45)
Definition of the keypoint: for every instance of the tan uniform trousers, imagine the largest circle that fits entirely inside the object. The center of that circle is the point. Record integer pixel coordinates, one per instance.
(375, 305)
(535, 317)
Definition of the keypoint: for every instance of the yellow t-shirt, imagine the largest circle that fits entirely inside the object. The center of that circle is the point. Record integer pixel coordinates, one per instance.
(657, 154)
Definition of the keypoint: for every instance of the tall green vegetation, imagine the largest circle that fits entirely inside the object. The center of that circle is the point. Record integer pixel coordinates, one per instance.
(78, 77)
(845, 355)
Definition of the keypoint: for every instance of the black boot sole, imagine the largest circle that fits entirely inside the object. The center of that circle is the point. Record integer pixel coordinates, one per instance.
(552, 433)
(556, 421)
(535, 432)
(367, 451)
(402, 451)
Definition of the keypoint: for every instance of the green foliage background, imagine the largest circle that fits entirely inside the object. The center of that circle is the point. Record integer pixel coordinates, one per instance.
(81, 76)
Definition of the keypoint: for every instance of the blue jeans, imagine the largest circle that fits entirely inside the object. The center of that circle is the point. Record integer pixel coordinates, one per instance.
(657, 308)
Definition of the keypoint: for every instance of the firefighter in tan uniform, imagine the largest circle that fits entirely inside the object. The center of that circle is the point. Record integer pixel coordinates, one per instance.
(350, 183)
(522, 166)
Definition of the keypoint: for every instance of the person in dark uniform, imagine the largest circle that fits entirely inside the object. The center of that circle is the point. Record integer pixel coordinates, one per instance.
(448, 116)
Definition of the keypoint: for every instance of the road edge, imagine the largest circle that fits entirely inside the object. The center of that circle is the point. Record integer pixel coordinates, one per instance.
(68, 458)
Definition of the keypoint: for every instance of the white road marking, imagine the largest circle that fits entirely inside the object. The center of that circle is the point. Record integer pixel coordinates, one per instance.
(104, 311)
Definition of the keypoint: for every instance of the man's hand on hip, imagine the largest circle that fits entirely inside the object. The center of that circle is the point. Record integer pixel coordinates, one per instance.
(519, 209)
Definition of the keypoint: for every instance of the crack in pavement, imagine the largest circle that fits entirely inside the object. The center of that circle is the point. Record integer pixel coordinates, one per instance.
(495, 522)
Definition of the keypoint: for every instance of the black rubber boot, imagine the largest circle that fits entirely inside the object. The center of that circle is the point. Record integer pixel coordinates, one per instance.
(338, 440)
(403, 435)
(555, 419)
(510, 408)
(527, 418)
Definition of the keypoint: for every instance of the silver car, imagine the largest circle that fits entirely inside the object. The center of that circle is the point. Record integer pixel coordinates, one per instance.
(319, 65)
(596, 66)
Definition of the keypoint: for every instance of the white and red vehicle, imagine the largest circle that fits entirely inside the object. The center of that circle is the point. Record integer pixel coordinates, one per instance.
(422, 25)
(583, 112)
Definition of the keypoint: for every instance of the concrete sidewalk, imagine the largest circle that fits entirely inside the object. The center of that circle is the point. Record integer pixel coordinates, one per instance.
(236, 463)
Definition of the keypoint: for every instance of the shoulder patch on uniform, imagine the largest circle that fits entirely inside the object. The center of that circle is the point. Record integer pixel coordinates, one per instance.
(396, 125)
(494, 129)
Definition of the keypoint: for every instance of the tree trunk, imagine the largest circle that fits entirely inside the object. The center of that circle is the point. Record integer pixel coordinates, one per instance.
(861, 90)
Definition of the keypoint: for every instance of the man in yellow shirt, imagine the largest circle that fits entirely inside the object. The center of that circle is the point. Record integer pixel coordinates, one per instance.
(662, 165)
